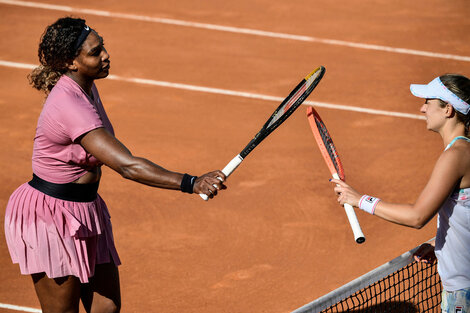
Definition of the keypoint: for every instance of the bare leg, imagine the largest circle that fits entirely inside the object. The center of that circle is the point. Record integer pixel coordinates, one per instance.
(103, 293)
(61, 295)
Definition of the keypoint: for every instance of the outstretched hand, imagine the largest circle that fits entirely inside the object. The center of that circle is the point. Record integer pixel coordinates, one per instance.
(210, 183)
(345, 193)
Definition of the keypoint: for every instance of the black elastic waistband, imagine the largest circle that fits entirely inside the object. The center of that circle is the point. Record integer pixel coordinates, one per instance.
(68, 192)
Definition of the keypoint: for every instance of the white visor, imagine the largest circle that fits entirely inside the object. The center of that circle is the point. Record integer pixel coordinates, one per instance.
(436, 90)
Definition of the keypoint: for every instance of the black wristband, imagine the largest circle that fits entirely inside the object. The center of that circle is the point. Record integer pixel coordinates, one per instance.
(187, 183)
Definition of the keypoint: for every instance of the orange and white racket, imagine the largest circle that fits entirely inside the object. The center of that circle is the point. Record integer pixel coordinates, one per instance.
(331, 157)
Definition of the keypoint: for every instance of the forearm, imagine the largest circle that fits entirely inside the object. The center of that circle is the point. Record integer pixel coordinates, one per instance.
(110, 151)
(403, 214)
(416, 215)
(145, 172)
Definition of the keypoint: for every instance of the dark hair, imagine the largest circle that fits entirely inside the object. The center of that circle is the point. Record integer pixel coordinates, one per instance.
(56, 51)
(460, 86)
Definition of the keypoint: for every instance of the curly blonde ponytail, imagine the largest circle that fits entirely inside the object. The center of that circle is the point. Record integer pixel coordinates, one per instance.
(43, 78)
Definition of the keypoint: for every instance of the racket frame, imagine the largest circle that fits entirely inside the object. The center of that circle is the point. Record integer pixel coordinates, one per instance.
(337, 172)
(268, 128)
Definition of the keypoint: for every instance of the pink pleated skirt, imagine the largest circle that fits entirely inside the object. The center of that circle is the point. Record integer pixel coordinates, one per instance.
(58, 237)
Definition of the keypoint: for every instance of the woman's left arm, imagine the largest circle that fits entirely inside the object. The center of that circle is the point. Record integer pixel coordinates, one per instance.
(445, 176)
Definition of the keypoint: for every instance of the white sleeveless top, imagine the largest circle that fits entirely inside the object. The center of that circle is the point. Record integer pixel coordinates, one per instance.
(453, 238)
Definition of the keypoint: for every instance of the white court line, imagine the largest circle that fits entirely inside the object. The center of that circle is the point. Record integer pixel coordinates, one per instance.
(239, 30)
(234, 93)
(19, 308)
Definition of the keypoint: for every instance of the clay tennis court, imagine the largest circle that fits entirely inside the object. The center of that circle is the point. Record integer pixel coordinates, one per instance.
(276, 239)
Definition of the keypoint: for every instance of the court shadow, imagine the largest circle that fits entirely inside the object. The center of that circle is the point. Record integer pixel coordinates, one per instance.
(387, 307)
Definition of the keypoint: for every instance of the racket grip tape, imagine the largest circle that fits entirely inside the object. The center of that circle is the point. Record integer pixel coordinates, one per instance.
(352, 218)
(227, 170)
(356, 228)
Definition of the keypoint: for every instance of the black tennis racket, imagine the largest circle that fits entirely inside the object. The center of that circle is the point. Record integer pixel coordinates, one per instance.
(287, 107)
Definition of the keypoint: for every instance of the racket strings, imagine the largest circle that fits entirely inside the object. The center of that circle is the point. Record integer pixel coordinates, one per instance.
(287, 105)
(297, 96)
(294, 98)
(330, 147)
(304, 87)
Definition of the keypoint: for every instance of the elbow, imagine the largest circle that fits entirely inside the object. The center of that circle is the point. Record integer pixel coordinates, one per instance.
(136, 169)
(418, 223)
(417, 217)
(127, 172)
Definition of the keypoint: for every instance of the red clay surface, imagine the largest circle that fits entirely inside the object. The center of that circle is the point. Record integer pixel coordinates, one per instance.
(275, 239)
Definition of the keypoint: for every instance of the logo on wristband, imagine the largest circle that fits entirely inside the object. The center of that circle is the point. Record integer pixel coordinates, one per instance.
(368, 203)
(370, 199)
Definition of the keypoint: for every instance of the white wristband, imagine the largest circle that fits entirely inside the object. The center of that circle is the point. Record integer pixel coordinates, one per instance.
(368, 203)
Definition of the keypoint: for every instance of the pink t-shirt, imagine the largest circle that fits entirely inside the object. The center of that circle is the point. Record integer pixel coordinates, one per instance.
(68, 113)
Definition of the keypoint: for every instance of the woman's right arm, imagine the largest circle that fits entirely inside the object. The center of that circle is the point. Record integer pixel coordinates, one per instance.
(110, 151)
(446, 174)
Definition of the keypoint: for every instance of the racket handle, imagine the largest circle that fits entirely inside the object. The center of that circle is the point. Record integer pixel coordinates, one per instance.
(356, 228)
(227, 170)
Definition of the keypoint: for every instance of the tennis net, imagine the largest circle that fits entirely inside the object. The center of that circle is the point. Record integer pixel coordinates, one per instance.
(401, 285)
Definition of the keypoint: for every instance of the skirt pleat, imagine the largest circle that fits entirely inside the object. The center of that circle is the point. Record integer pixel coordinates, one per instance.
(58, 237)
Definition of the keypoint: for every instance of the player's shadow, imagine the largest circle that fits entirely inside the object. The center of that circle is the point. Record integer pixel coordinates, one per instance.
(387, 307)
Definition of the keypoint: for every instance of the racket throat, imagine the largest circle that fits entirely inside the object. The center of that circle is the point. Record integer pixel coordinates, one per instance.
(250, 146)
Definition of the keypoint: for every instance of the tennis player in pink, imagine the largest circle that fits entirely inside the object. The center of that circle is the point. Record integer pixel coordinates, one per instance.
(57, 227)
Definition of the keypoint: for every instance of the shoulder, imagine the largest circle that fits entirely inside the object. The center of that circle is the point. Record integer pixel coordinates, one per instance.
(457, 156)
(66, 97)
(461, 148)
(65, 89)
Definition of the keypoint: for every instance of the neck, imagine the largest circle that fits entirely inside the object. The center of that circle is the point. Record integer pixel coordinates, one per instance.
(84, 83)
(450, 131)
